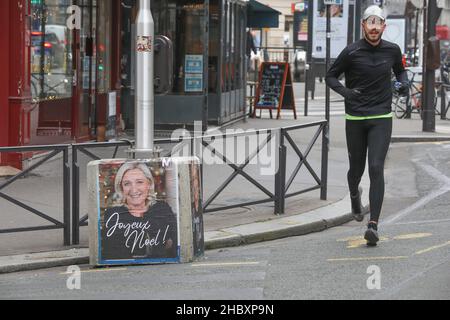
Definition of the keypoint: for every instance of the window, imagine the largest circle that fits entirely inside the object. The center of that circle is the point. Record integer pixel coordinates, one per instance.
(104, 47)
(51, 50)
(182, 22)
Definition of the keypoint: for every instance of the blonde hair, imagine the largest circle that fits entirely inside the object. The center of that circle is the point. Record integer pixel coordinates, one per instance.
(119, 198)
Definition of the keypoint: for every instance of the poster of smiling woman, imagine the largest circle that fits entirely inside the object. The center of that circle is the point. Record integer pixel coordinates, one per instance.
(135, 207)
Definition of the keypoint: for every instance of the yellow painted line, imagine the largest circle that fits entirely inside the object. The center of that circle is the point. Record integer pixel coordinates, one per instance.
(350, 239)
(433, 248)
(412, 236)
(356, 242)
(367, 259)
(225, 264)
(97, 270)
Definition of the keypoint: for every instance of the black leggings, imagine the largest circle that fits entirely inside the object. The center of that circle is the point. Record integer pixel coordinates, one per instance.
(375, 136)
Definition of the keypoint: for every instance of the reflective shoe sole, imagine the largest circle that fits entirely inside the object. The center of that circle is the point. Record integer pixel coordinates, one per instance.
(371, 237)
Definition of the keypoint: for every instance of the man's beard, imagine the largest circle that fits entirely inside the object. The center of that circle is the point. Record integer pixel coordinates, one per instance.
(367, 35)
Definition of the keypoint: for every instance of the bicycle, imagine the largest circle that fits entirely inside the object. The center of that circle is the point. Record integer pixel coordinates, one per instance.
(413, 99)
(444, 89)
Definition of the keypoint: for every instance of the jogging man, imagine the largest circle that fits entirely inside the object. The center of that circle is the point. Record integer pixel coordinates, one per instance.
(367, 65)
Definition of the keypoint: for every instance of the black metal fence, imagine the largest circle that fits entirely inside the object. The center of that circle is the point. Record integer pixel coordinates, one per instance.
(282, 186)
(238, 168)
(52, 152)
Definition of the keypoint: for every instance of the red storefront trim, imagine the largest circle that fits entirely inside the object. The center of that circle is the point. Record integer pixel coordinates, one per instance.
(16, 104)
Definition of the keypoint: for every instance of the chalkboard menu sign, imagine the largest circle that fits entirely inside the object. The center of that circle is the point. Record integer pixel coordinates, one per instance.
(275, 89)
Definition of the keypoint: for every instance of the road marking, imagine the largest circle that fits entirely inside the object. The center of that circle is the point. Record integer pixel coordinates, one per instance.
(442, 129)
(225, 264)
(433, 248)
(356, 242)
(367, 259)
(434, 173)
(412, 236)
(390, 292)
(97, 270)
(422, 222)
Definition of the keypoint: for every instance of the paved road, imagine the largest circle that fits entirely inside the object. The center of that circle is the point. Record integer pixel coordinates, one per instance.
(411, 262)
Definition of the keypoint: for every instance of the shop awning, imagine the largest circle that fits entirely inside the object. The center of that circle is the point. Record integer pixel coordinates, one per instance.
(261, 16)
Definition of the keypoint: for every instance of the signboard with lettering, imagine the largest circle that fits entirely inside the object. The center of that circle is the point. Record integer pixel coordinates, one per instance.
(301, 24)
(275, 89)
(193, 80)
(330, 2)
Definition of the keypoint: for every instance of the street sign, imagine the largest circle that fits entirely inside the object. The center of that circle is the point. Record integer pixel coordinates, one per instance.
(327, 2)
(275, 91)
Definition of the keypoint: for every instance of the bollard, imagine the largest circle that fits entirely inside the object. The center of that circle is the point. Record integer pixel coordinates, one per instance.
(145, 211)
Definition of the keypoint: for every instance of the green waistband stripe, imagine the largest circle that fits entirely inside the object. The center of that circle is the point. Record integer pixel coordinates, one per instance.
(356, 118)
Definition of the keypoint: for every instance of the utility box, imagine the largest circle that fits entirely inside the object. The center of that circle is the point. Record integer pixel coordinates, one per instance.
(145, 211)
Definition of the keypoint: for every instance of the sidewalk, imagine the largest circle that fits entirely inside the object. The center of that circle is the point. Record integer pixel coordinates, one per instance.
(304, 214)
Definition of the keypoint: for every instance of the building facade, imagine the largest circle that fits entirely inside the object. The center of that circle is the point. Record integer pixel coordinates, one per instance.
(68, 68)
(60, 71)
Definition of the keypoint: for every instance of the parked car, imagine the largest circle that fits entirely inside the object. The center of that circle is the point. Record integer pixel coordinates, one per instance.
(53, 48)
(61, 32)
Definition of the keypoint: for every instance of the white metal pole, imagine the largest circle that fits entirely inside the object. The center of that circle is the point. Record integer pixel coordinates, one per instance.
(145, 101)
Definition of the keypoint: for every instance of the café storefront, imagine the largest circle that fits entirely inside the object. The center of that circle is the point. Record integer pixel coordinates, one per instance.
(60, 72)
(68, 68)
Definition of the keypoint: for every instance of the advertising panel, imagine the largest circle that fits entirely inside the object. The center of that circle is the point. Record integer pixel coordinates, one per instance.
(339, 28)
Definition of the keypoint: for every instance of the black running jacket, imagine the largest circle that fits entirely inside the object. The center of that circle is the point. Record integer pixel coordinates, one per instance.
(368, 72)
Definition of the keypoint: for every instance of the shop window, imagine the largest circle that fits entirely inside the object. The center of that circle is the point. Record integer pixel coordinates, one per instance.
(234, 46)
(182, 22)
(104, 47)
(214, 44)
(51, 50)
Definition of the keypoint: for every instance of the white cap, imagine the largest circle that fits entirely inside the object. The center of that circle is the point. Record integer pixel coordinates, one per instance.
(374, 11)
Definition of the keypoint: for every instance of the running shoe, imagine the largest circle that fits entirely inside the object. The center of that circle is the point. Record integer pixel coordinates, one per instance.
(371, 235)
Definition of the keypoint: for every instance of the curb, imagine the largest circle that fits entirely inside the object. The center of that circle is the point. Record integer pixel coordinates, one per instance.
(236, 240)
(296, 225)
(412, 139)
(35, 261)
(314, 221)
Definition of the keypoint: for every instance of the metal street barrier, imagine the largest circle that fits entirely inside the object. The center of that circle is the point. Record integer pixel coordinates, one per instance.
(282, 184)
(237, 168)
(52, 151)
